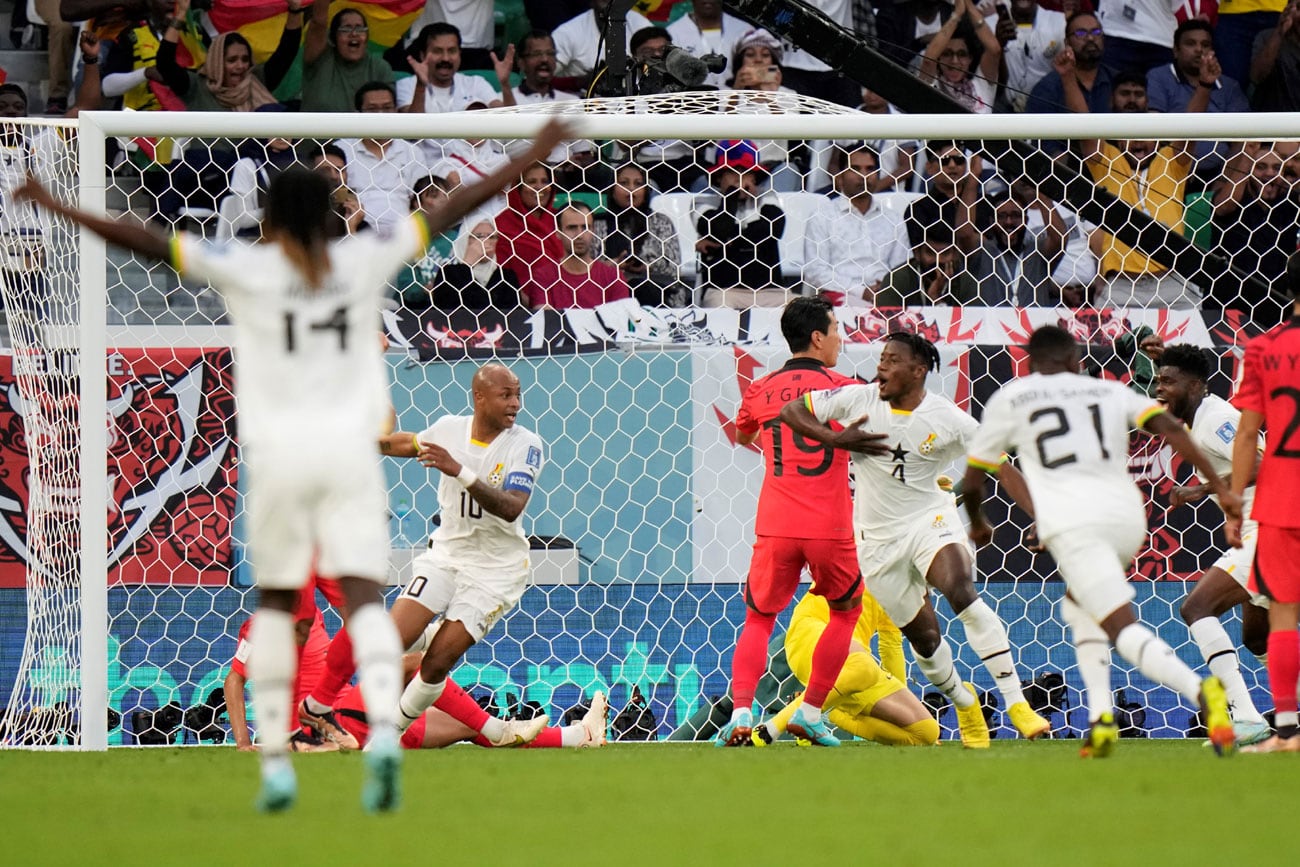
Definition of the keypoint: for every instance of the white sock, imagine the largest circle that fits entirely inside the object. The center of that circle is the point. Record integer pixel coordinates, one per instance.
(1150, 655)
(988, 638)
(316, 707)
(424, 639)
(416, 699)
(272, 663)
(494, 729)
(573, 736)
(940, 671)
(378, 654)
(1092, 652)
(807, 712)
(738, 713)
(1221, 656)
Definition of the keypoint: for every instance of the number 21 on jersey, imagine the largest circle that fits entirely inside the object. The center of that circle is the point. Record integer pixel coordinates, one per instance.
(1056, 425)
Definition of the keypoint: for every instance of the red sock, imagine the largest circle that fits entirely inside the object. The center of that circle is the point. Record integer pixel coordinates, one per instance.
(1283, 669)
(457, 704)
(828, 658)
(750, 659)
(550, 738)
(339, 668)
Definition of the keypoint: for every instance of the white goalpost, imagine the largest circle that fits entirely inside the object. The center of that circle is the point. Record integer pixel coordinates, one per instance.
(130, 600)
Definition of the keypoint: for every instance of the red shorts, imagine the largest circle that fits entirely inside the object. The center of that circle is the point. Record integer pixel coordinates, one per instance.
(778, 562)
(348, 710)
(1276, 572)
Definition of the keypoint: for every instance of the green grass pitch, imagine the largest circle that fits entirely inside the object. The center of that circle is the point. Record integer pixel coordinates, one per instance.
(1152, 802)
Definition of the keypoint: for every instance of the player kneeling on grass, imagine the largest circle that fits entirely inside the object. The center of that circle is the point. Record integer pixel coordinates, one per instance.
(866, 700)
(437, 728)
(1071, 434)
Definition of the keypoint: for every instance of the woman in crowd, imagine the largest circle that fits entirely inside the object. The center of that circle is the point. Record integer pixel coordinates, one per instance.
(949, 62)
(642, 242)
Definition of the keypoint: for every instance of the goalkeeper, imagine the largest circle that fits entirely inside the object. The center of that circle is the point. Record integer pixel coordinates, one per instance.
(866, 700)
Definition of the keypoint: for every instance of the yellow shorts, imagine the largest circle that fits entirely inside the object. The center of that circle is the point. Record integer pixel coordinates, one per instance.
(862, 682)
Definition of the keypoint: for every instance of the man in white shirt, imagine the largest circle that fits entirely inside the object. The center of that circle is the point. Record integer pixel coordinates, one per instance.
(811, 77)
(1030, 37)
(445, 87)
(1139, 33)
(382, 172)
(577, 40)
(476, 21)
(535, 57)
(852, 241)
(706, 29)
(1071, 435)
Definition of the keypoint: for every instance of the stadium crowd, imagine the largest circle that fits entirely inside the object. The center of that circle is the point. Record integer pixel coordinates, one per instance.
(884, 223)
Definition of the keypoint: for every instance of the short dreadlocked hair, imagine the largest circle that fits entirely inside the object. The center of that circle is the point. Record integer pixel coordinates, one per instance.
(1187, 358)
(922, 349)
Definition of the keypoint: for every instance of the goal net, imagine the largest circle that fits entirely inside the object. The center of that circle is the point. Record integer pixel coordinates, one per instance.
(702, 214)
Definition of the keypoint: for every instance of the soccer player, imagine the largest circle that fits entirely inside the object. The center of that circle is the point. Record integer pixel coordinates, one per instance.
(1071, 433)
(1269, 398)
(312, 392)
(867, 700)
(804, 519)
(1181, 386)
(909, 537)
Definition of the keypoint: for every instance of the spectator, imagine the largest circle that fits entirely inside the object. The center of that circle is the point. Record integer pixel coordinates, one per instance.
(336, 61)
(249, 180)
(1014, 264)
(756, 47)
(412, 285)
(474, 280)
(436, 64)
(1170, 88)
(1029, 37)
(642, 242)
(852, 242)
(1256, 213)
(809, 75)
(1237, 29)
(1275, 64)
(60, 41)
(897, 156)
(331, 161)
(1152, 178)
(933, 276)
(1087, 43)
(535, 56)
(467, 161)
(950, 60)
(382, 171)
(906, 28)
(670, 163)
(580, 168)
(706, 29)
(527, 225)
(739, 240)
(474, 20)
(758, 90)
(1139, 33)
(578, 39)
(1075, 269)
(579, 279)
(951, 205)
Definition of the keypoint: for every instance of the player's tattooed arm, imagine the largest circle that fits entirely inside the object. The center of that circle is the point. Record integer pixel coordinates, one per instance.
(399, 444)
(507, 505)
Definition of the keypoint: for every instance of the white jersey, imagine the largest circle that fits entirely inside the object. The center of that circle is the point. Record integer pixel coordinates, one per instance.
(1071, 433)
(893, 490)
(310, 370)
(468, 533)
(1213, 428)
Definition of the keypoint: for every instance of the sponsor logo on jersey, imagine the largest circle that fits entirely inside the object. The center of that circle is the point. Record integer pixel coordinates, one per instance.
(927, 445)
(534, 457)
(1226, 431)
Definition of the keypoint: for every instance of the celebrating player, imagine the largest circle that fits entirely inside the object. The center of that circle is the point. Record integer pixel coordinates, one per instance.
(1269, 398)
(1071, 434)
(808, 480)
(1181, 386)
(867, 700)
(312, 393)
(908, 532)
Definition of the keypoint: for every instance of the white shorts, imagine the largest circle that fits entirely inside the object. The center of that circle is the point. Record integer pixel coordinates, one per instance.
(1094, 560)
(478, 598)
(1237, 562)
(894, 569)
(330, 509)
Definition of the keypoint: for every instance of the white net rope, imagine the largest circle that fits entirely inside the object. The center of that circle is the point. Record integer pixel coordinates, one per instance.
(634, 284)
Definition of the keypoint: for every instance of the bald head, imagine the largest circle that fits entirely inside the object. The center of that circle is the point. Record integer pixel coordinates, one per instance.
(497, 396)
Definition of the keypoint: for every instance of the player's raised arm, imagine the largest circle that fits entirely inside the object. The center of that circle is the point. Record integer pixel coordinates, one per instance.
(400, 444)
(137, 239)
(469, 197)
(1176, 435)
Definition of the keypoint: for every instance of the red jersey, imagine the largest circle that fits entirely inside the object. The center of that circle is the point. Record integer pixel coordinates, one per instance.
(311, 657)
(805, 491)
(1270, 386)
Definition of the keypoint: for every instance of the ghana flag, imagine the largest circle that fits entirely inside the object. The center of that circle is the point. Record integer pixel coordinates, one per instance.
(262, 21)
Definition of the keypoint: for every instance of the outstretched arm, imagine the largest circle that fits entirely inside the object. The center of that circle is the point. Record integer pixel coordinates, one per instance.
(137, 239)
(467, 198)
(796, 416)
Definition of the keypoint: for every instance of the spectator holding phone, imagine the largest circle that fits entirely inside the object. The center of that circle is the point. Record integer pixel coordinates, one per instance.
(964, 63)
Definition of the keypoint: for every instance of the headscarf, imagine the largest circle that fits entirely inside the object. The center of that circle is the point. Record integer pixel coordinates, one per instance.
(249, 95)
(528, 237)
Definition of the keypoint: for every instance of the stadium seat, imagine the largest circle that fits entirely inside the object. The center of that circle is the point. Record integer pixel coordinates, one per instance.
(683, 210)
(595, 201)
(799, 208)
(1197, 215)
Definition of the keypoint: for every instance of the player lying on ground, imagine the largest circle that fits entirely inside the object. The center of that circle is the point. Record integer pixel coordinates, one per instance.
(909, 536)
(310, 403)
(866, 700)
(476, 566)
(437, 728)
(1181, 385)
(1071, 434)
